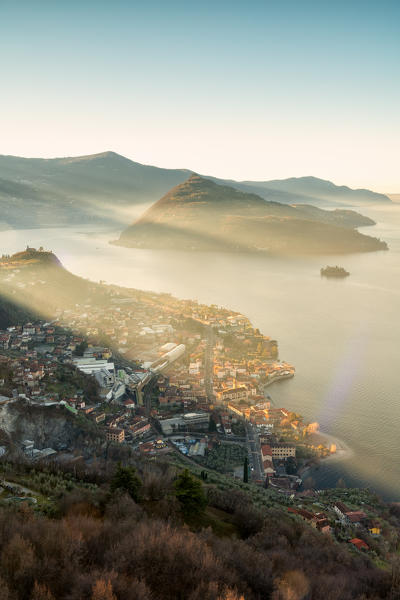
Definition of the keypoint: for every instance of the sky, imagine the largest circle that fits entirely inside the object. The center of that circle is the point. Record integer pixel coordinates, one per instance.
(242, 90)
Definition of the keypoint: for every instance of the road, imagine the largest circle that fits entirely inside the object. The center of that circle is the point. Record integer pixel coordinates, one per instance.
(208, 365)
(21, 489)
(148, 392)
(253, 444)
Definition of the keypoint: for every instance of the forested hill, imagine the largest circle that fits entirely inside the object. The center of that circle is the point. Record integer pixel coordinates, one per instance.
(202, 215)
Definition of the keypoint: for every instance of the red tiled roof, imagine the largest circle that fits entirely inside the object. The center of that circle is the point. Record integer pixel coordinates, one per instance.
(342, 507)
(356, 515)
(360, 544)
(303, 513)
(266, 450)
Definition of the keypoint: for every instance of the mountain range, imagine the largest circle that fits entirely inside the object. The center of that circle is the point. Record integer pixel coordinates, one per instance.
(111, 189)
(200, 214)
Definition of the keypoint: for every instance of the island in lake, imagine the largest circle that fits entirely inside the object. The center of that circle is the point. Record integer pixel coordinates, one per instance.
(334, 272)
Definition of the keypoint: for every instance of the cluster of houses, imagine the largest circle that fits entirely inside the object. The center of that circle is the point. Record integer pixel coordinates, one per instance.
(32, 353)
(138, 323)
(262, 414)
(241, 375)
(349, 520)
(184, 383)
(126, 426)
(160, 335)
(275, 451)
(142, 325)
(317, 520)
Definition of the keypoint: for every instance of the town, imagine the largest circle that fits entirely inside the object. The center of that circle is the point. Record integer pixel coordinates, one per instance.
(148, 367)
(165, 378)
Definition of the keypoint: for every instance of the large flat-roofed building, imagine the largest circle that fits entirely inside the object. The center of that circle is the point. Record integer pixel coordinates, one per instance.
(188, 422)
(233, 394)
(196, 418)
(283, 450)
(93, 365)
(114, 434)
(175, 353)
(105, 378)
(140, 428)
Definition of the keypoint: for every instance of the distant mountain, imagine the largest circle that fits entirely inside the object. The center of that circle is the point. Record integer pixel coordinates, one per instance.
(107, 187)
(315, 191)
(111, 189)
(202, 215)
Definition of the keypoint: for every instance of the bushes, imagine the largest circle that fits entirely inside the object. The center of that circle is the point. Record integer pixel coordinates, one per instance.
(108, 546)
(124, 554)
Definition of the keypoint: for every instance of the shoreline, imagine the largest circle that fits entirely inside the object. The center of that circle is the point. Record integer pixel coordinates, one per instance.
(343, 451)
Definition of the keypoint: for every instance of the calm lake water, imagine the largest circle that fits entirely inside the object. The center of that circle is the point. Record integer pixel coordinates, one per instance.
(342, 336)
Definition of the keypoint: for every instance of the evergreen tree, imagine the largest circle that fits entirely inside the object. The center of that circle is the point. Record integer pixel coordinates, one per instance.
(212, 427)
(189, 492)
(125, 478)
(80, 348)
(246, 470)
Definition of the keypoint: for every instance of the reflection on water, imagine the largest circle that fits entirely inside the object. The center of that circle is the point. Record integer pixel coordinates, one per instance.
(342, 335)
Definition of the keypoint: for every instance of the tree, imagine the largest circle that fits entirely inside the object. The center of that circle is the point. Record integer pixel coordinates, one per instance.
(212, 427)
(4, 591)
(41, 592)
(291, 466)
(246, 470)
(125, 478)
(17, 563)
(80, 348)
(189, 492)
(293, 585)
(102, 590)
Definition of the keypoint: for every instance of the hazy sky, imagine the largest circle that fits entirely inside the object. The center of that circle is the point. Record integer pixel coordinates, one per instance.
(247, 90)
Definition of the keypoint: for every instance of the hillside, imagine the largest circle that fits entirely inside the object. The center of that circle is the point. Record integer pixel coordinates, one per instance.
(100, 188)
(34, 284)
(202, 215)
(149, 531)
(311, 190)
(48, 426)
(110, 189)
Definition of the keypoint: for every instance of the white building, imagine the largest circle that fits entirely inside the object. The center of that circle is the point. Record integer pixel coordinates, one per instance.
(90, 366)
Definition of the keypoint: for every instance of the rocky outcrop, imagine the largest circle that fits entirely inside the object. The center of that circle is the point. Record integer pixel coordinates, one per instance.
(47, 426)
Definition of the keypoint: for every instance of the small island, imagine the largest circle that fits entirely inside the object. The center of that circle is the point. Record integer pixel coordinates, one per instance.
(334, 272)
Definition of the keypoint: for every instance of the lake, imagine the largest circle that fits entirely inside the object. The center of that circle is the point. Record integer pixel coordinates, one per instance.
(342, 336)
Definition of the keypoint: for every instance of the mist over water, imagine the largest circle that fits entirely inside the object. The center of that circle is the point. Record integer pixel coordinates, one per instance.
(341, 335)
